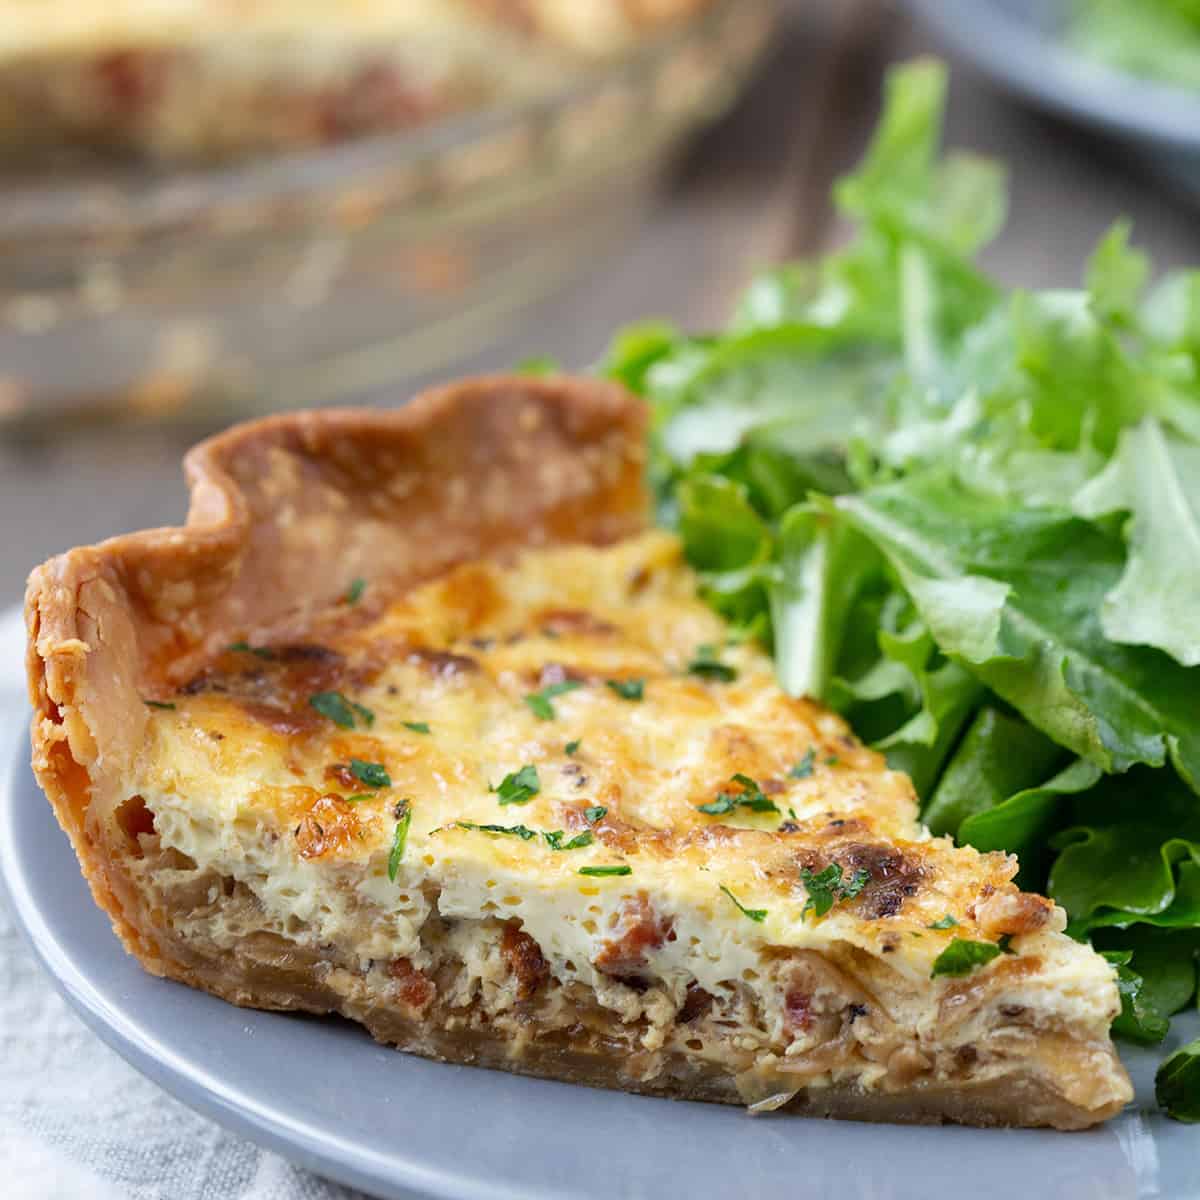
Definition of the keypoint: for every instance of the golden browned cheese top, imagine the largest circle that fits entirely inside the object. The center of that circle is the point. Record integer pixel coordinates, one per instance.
(628, 724)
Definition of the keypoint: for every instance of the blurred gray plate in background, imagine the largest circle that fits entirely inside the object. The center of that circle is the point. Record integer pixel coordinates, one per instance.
(1018, 43)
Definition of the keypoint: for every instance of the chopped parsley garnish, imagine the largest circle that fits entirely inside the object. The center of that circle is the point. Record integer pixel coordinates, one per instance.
(595, 812)
(539, 702)
(825, 888)
(947, 922)
(961, 957)
(522, 831)
(708, 666)
(572, 746)
(857, 882)
(355, 590)
(335, 706)
(372, 774)
(518, 787)
(725, 802)
(821, 888)
(553, 838)
(603, 872)
(416, 726)
(1004, 941)
(246, 648)
(628, 689)
(755, 914)
(340, 711)
(832, 760)
(159, 704)
(804, 768)
(555, 841)
(360, 797)
(751, 796)
(399, 838)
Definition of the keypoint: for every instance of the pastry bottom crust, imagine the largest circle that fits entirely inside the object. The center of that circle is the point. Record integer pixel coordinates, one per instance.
(592, 1046)
(1011, 1100)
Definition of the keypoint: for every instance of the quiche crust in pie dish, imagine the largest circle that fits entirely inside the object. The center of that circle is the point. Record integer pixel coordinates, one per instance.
(417, 721)
(178, 79)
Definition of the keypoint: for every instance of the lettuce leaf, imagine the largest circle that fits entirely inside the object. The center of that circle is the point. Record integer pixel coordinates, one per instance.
(1123, 861)
(1165, 963)
(1014, 595)
(823, 564)
(1116, 275)
(957, 203)
(1138, 1019)
(968, 518)
(999, 756)
(1177, 1083)
(1021, 823)
(730, 545)
(1003, 790)
(1155, 477)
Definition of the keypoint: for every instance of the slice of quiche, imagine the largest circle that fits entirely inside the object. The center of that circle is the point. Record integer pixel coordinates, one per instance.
(182, 80)
(415, 722)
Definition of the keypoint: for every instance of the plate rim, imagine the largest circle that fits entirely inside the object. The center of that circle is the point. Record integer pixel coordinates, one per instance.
(263, 1119)
(295, 1140)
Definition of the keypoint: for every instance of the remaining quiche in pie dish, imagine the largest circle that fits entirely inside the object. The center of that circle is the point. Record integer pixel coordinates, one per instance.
(416, 721)
(210, 78)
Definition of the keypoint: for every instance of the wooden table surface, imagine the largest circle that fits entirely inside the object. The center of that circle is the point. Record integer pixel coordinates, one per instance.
(752, 191)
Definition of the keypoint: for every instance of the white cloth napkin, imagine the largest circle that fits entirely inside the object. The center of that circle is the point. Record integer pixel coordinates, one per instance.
(77, 1123)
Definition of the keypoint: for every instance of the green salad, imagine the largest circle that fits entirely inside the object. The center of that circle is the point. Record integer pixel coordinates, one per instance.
(1158, 39)
(968, 518)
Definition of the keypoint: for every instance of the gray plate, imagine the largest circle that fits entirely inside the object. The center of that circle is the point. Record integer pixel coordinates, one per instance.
(1015, 42)
(322, 1093)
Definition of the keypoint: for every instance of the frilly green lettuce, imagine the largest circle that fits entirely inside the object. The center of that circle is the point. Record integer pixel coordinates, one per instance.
(969, 519)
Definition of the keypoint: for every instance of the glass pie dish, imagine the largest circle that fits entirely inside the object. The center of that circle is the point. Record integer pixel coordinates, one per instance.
(318, 276)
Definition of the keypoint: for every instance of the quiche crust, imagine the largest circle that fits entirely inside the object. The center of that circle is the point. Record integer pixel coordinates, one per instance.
(161, 661)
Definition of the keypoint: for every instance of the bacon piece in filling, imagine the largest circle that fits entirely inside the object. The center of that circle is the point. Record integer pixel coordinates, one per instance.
(329, 827)
(413, 986)
(1014, 913)
(797, 1011)
(639, 930)
(525, 960)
